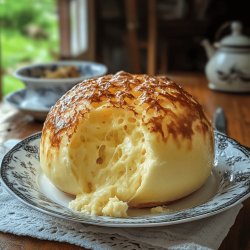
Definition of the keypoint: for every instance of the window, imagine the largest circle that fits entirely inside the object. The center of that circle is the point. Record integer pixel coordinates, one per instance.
(29, 34)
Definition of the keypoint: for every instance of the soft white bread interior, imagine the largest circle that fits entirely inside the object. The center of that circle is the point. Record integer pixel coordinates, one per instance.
(126, 140)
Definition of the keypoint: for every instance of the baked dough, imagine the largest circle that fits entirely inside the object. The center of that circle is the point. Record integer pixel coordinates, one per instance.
(126, 140)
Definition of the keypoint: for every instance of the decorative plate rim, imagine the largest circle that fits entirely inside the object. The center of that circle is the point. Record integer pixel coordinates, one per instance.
(8, 98)
(162, 220)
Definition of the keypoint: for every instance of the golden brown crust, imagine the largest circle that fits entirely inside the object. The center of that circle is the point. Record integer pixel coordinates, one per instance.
(128, 91)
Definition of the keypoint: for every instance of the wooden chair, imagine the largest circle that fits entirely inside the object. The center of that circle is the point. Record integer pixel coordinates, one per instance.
(134, 44)
(161, 32)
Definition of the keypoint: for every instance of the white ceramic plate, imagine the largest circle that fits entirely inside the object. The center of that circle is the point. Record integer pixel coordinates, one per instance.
(228, 185)
(34, 103)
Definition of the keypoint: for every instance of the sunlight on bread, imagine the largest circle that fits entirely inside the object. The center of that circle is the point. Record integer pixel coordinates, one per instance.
(125, 140)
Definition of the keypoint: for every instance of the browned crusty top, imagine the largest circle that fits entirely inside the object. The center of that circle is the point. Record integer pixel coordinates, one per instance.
(151, 98)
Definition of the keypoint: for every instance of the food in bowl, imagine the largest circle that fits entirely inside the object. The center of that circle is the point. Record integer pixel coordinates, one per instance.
(62, 72)
(126, 140)
(58, 76)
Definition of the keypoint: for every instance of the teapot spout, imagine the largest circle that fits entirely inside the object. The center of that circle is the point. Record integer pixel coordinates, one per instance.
(210, 50)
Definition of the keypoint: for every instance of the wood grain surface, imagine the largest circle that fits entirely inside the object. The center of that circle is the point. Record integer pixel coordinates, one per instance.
(14, 124)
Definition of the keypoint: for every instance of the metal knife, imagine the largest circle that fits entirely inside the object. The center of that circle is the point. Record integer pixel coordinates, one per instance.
(220, 121)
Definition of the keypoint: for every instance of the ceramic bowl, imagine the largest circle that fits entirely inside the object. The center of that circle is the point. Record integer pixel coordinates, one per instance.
(34, 78)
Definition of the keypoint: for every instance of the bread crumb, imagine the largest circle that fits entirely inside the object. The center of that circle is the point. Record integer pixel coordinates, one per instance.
(159, 209)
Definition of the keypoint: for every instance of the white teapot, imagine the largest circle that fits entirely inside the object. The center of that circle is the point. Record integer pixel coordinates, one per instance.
(228, 68)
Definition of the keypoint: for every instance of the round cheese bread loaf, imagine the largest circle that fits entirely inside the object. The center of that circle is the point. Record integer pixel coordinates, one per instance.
(126, 140)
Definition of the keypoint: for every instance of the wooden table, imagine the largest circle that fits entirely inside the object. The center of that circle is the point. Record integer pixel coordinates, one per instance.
(13, 124)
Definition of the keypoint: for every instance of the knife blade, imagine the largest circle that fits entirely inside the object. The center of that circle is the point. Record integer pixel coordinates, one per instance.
(220, 121)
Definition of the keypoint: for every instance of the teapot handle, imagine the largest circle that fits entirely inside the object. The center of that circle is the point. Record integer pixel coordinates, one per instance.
(222, 28)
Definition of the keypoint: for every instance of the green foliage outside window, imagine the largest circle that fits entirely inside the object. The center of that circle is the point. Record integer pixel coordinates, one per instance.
(29, 34)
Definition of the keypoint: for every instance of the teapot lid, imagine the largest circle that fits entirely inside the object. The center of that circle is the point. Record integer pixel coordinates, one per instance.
(236, 39)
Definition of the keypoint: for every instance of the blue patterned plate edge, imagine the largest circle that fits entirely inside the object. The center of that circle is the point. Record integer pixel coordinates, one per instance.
(232, 163)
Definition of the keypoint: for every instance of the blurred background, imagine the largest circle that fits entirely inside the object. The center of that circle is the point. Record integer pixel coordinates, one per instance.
(139, 36)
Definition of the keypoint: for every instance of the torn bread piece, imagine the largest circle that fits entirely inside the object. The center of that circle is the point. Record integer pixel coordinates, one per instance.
(126, 140)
